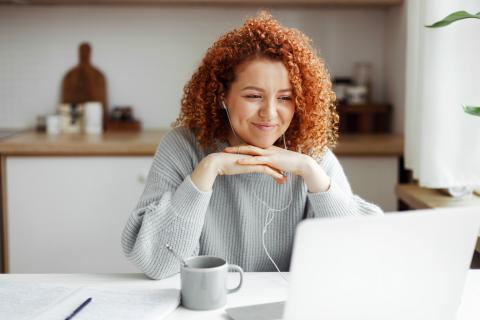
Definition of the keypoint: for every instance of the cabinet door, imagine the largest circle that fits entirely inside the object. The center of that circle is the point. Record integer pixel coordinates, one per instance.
(66, 214)
(373, 178)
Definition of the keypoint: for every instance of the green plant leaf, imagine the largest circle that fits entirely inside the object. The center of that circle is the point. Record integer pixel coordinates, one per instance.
(473, 110)
(456, 16)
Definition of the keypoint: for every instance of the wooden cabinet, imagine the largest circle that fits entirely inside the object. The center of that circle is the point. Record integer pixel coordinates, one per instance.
(373, 179)
(66, 214)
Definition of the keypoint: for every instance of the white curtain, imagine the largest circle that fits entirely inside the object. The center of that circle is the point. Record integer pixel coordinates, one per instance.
(442, 143)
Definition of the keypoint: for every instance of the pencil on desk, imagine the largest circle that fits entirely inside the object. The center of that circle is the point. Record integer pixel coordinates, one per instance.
(79, 308)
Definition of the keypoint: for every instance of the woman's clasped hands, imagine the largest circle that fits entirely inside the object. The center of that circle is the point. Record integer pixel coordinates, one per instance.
(273, 161)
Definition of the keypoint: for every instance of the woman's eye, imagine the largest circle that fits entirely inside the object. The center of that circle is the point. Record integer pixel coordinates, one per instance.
(253, 96)
(286, 98)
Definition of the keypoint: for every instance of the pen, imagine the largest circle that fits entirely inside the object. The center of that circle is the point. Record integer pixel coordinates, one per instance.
(79, 308)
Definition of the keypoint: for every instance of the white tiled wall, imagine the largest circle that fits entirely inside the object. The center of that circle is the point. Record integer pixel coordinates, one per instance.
(148, 53)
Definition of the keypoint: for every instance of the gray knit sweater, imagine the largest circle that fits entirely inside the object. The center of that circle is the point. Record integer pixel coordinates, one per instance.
(228, 221)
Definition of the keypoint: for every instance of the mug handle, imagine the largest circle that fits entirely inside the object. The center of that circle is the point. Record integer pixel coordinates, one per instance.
(234, 267)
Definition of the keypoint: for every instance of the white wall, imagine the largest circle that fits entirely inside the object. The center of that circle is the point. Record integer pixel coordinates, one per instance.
(148, 53)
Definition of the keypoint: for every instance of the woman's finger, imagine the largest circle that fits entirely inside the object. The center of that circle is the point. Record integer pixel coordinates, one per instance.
(263, 169)
(259, 160)
(282, 180)
(247, 149)
(254, 160)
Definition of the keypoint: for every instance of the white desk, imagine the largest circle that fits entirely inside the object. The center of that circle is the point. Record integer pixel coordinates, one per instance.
(258, 288)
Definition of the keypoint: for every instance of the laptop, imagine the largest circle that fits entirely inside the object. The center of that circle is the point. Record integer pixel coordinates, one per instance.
(408, 265)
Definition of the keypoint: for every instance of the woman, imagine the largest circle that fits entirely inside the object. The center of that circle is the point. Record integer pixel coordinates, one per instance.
(248, 159)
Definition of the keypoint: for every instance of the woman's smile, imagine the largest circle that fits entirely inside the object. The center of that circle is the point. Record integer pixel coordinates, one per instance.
(265, 127)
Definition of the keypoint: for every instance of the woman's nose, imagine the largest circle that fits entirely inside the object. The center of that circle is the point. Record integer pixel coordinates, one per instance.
(268, 110)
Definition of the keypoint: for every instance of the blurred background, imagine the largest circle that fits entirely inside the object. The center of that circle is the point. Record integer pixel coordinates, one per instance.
(147, 53)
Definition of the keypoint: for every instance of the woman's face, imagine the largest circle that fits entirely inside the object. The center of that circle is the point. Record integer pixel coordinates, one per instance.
(260, 103)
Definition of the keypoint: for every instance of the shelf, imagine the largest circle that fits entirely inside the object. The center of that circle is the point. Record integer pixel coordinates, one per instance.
(365, 118)
(339, 3)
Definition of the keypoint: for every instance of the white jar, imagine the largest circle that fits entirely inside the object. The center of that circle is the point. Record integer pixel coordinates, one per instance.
(53, 124)
(93, 117)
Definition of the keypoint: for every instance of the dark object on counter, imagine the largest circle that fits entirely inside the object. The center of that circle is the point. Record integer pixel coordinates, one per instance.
(121, 119)
(85, 83)
(41, 123)
(340, 86)
(122, 113)
(365, 118)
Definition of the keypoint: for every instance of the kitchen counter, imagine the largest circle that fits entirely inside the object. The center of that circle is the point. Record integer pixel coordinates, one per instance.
(144, 143)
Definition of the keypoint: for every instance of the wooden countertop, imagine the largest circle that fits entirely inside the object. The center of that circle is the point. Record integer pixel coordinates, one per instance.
(31, 143)
(417, 197)
(144, 143)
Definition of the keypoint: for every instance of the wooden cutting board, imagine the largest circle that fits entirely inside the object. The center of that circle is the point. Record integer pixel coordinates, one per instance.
(85, 82)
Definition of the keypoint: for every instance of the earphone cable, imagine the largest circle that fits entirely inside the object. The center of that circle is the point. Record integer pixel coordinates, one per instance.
(268, 220)
(267, 223)
(270, 211)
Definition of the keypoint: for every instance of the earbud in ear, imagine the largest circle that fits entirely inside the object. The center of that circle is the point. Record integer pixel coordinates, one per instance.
(223, 105)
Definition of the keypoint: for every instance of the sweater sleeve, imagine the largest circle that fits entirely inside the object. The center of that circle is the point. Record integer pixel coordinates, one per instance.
(171, 210)
(338, 200)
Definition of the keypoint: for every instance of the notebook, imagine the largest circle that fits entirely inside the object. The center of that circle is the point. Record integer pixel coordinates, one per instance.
(22, 300)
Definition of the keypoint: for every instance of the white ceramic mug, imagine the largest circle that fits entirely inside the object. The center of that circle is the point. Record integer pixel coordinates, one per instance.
(204, 282)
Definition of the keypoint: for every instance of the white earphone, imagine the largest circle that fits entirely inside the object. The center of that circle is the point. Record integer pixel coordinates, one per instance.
(228, 116)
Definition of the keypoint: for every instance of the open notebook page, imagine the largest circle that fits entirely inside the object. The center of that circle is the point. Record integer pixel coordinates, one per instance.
(23, 300)
(46, 302)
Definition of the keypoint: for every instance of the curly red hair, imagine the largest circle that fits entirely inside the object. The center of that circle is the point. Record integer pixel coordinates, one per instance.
(314, 125)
